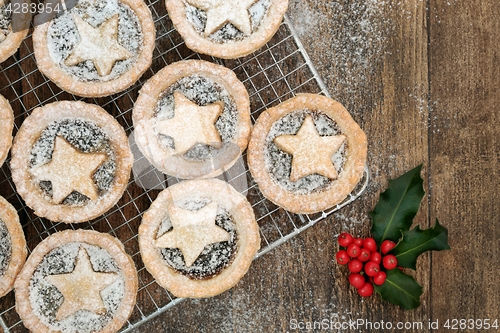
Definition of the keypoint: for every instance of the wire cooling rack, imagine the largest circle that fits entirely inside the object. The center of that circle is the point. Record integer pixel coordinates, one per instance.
(273, 74)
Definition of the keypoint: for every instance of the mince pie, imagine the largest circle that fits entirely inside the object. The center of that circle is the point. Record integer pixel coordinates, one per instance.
(307, 154)
(96, 48)
(226, 28)
(77, 281)
(70, 161)
(198, 238)
(6, 127)
(12, 246)
(192, 119)
(14, 26)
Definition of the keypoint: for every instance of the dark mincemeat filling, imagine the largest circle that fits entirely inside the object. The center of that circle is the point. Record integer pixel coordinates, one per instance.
(5, 20)
(47, 299)
(63, 37)
(228, 32)
(279, 163)
(85, 137)
(214, 258)
(201, 91)
(5, 248)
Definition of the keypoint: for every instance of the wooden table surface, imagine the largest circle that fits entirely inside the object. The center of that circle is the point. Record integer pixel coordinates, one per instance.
(422, 79)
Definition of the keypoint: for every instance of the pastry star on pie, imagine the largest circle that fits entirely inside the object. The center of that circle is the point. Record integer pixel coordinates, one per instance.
(81, 288)
(192, 231)
(3, 36)
(311, 152)
(99, 45)
(70, 170)
(220, 12)
(191, 124)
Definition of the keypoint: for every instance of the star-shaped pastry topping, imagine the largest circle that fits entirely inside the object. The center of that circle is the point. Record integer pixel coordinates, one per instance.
(220, 12)
(191, 124)
(3, 36)
(70, 170)
(192, 231)
(81, 288)
(311, 152)
(99, 45)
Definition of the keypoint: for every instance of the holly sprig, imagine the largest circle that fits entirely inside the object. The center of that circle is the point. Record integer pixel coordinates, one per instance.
(391, 220)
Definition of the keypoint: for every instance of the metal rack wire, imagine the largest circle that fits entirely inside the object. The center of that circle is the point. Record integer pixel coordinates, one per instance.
(273, 74)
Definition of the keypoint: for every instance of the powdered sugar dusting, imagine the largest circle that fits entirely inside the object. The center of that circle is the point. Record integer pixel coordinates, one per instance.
(5, 20)
(228, 32)
(46, 299)
(5, 248)
(63, 36)
(355, 48)
(202, 91)
(215, 257)
(279, 163)
(86, 137)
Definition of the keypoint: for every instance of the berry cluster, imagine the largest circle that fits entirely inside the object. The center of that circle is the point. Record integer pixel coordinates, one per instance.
(363, 261)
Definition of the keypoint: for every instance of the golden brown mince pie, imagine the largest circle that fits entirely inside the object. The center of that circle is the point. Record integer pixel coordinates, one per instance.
(77, 281)
(14, 26)
(12, 246)
(198, 238)
(70, 161)
(307, 154)
(98, 48)
(226, 28)
(192, 119)
(6, 127)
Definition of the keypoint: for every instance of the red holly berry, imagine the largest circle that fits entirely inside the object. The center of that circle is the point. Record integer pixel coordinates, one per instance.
(370, 244)
(372, 268)
(353, 250)
(358, 242)
(386, 246)
(366, 290)
(356, 280)
(364, 255)
(345, 239)
(390, 261)
(355, 266)
(379, 279)
(342, 257)
(376, 257)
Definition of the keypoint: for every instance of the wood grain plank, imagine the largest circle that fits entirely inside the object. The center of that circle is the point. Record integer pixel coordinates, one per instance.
(465, 141)
(385, 89)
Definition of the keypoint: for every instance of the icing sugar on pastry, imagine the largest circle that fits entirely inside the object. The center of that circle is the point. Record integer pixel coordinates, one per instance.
(220, 12)
(5, 21)
(81, 288)
(99, 45)
(97, 48)
(5, 248)
(6, 127)
(70, 161)
(226, 28)
(193, 231)
(213, 226)
(70, 170)
(11, 38)
(192, 119)
(311, 153)
(307, 153)
(13, 250)
(191, 124)
(77, 281)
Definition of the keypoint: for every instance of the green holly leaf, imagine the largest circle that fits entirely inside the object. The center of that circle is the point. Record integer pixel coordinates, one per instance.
(418, 241)
(397, 206)
(400, 289)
